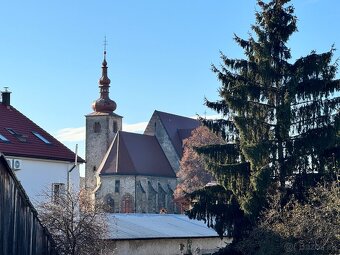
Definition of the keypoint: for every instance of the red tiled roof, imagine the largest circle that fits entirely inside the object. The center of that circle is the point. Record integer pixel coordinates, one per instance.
(178, 128)
(25, 143)
(136, 154)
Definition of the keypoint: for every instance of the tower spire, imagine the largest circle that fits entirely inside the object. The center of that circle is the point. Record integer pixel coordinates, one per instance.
(105, 44)
(104, 103)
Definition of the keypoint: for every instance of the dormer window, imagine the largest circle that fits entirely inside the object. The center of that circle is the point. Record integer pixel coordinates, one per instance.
(3, 139)
(11, 131)
(41, 137)
(19, 136)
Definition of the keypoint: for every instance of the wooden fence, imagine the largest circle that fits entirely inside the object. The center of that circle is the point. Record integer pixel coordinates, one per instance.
(21, 232)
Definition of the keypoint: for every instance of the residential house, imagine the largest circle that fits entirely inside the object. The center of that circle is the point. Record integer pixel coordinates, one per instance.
(40, 162)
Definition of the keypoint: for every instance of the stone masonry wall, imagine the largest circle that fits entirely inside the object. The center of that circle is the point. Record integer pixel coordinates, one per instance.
(100, 132)
(107, 186)
(149, 194)
(156, 128)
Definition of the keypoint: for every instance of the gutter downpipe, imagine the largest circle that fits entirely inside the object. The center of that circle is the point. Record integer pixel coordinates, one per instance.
(135, 193)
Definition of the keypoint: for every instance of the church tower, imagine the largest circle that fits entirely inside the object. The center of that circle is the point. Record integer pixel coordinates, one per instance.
(101, 127)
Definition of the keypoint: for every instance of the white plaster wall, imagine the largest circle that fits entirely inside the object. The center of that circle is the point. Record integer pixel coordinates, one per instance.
(37, 176)
(199, 246)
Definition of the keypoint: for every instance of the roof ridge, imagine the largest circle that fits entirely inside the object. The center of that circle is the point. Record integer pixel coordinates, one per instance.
(132, 133)
(177, 115)
(103, 161)
(127, 152)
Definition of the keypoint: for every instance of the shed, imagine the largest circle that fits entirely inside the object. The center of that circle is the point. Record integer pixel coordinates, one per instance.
(147, 234)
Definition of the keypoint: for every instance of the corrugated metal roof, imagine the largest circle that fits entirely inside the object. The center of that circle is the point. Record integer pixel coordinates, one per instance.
(154, 226)
(136, 154)
(27, 139)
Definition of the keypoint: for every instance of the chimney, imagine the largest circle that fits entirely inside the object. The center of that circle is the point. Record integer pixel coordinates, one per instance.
(6, 97)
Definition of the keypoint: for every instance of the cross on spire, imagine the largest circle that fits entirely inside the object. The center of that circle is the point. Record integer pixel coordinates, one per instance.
(104, 103)
(105, 44)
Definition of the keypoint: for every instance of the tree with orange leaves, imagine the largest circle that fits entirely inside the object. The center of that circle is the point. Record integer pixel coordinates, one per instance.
(193, 174)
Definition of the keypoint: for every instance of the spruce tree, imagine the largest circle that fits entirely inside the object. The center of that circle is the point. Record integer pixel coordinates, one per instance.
(280, 122)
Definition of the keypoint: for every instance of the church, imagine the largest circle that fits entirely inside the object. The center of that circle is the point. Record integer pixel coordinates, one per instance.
(129, 172)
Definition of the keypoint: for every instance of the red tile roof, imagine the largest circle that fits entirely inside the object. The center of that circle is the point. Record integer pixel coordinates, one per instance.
(24, 143)
(136, 154)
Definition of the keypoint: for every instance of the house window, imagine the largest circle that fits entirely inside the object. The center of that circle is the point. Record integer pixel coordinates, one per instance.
(20, 137)
(117, 186)
(115, 127)
(97, 127)
(3, 139)
(41, 137)
(58, 189)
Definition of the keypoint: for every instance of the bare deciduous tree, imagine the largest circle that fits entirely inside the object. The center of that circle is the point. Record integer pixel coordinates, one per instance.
(76, 225)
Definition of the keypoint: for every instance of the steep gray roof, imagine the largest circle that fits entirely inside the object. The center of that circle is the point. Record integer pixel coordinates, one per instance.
(136, 154)
(177, 127)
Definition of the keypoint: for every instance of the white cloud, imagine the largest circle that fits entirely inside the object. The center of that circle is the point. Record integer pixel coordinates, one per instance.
(78, 134)
(71, 134)
(135, 128)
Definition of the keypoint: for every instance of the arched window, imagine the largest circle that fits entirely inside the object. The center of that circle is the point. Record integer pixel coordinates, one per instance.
(115, 127)
(96, 127)
(109, 203)
(161, 198)
(117, 186)
(127, 204)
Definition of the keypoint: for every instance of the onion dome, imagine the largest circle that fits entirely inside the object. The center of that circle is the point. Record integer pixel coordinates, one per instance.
(104, 103)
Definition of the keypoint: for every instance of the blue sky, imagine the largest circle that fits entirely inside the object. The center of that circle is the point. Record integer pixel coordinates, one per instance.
(159, 54)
